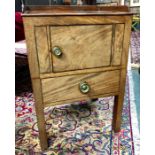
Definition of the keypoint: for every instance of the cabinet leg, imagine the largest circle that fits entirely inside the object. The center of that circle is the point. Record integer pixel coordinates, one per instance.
(42, 129)
(39, 107)
(117, 112)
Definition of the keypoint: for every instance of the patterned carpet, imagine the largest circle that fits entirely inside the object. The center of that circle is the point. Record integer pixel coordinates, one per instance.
(135, 47)
(82, 128)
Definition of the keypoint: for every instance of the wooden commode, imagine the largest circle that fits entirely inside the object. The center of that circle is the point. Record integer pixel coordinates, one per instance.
(77, 53)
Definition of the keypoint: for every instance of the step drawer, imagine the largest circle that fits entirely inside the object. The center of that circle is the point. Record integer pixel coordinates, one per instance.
(72, 87)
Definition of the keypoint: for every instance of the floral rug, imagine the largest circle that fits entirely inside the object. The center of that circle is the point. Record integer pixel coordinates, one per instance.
(81, 128)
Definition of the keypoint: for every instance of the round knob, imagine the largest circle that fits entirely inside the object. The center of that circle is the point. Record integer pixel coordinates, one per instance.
(84, 87)
(57, 51)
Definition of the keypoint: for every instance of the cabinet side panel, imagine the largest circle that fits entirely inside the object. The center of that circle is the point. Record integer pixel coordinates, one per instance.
(118, 44)
(42, 49)
(31, 47)
(126, 41)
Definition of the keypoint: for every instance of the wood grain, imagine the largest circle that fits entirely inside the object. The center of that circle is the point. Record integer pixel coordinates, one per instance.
(74, 20)
(76, 10)
(64, 88)
(118, 44)
(31, 49)
(126, 41)
(83, 98)
(36, 84)
(42, 49)
(91, 70)
(119, 99)
(85, 35)
(82, 46)
(39, 108)
(118, 103)
(67, 2)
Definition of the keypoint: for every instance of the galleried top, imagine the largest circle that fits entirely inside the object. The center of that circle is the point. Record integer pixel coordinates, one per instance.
(75, 10)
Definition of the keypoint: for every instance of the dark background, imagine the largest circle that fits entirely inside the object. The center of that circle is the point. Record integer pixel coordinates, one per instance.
(40, 2)
(47, 2)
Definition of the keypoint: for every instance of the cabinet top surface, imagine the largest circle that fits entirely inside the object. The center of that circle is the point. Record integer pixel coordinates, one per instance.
(75, 10)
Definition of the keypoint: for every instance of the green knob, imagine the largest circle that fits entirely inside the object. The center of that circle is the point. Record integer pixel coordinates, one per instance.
(57, 51)
(84, 87)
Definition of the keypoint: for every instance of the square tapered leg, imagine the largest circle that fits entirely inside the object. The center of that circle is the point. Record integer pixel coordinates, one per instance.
(39, 107)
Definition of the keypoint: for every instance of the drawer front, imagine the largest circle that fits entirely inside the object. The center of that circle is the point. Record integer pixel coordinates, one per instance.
(68, 87)
(81, 47)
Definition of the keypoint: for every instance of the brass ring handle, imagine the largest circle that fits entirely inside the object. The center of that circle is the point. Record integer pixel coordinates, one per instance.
(57, 51)
(84, 87)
